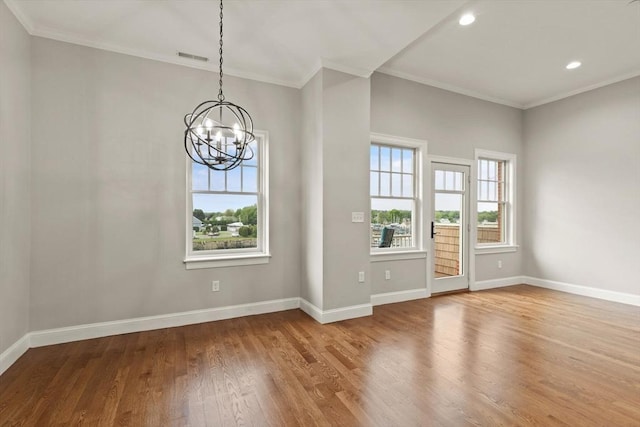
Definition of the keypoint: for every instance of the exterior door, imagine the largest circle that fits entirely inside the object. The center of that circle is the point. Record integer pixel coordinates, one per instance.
(449, 227)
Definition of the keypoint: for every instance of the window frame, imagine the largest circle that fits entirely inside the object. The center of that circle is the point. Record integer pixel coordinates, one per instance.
(232, 257)
(419, 148)
(509, 191)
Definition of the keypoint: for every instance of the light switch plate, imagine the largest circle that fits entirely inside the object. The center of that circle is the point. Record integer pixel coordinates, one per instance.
(357, 216)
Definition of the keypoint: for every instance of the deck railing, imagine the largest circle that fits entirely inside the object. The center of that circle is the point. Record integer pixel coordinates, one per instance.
(447, 245)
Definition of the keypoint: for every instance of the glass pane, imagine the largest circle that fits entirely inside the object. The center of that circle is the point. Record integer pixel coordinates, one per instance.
(493, 190)
(396, 183)
(407, 185)
(407, 161)
(448, 180)
(393, 214)
(385, 184)
(439, 178)
(374, 157)
(385, 159)
(234, 180)
(230, 222)
(199, 177)
(482, 169)
(492, 170)
(458, 181)
(448, 238)
(250, 179)
(396, 160)
(217, 180)
(374, 184)
(490, 223)
(484, 190)
(254, 160)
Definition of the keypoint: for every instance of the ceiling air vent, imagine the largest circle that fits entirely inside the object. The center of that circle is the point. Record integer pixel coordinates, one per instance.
(194, 57)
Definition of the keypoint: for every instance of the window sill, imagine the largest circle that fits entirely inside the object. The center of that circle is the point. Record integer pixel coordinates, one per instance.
(194, 263)
(397, 256)
(485, 250)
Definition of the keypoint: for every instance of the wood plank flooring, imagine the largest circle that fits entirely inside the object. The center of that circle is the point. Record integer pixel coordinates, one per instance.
(512, 356)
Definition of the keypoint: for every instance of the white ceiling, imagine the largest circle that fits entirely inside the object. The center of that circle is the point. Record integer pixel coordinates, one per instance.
(514, 54)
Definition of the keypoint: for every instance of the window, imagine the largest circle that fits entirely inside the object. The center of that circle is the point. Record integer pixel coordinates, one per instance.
(496, 212)
(393, 195)
(227, 210)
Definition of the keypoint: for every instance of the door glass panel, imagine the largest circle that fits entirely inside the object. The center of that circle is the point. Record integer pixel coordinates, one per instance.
(448, 238)
(439, 181)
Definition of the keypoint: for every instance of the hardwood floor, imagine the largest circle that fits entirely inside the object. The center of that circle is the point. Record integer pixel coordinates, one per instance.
(511, 356)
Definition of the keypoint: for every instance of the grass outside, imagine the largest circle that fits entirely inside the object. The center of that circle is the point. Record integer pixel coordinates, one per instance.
(224, 240)
(202, 237)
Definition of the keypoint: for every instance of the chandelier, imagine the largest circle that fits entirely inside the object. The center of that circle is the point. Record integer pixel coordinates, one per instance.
(219, 132)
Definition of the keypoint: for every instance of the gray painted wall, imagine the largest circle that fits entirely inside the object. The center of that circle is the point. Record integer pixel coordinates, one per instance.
(582, 160)
(15, 163)
(405, 274)
(109, 188)
(335, 121)
(312, 207)
(454, 125)
(93, 215)
(345, 151)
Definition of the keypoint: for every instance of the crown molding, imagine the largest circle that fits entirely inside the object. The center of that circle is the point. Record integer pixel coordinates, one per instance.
(176, 60)
(335, 66)
(354, 71)
(582, 90)
(447, 86)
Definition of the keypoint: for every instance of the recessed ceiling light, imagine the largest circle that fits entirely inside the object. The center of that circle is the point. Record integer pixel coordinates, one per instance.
(467, 19)
(573, 64)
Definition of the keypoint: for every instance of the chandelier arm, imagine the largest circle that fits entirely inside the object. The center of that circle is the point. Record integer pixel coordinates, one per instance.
(201, 161)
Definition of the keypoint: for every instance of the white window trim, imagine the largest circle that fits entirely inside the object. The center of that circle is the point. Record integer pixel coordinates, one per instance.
(397, 256)
(231, 258)
(510, 178)
(420, 147)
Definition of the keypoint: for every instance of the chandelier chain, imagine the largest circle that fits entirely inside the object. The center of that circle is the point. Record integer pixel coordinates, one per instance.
(220, 94)
(219, 144)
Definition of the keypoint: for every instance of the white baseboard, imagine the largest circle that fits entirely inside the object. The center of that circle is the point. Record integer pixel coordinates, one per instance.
(103, 329)
(586, 291)
(313, 311)
(335, 314)
(13, 353)
(497, 283)
(345, 313)
(398, 296)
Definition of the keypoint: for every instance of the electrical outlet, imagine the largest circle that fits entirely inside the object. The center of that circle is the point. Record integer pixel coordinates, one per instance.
(499, 263)
(215, 285)
(361, 276)
(387, 275)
